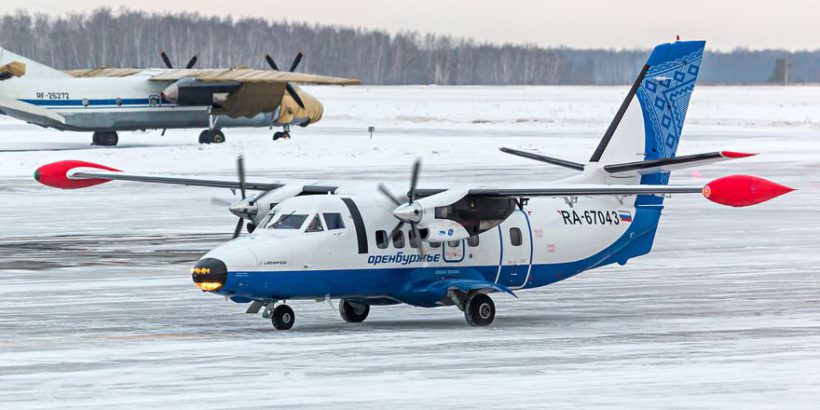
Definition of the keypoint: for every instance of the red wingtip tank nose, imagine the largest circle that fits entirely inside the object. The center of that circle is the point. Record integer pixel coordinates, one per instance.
(743, 190)
(56, 174)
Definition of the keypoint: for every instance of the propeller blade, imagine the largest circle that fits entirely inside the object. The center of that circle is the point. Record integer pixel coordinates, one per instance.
(192, 61)
(417, 236)
(396, 229)
(296, 61)
(240, 169)
(220, 201)
(414, 179)
(295, 95)
(238, 228)
(165, 59)
(383, 189)
(271, 63)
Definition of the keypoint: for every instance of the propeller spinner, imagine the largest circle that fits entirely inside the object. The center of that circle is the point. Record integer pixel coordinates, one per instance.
(410, 212)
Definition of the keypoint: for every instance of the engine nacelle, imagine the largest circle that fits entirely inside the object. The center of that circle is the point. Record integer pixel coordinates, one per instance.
(455, 215)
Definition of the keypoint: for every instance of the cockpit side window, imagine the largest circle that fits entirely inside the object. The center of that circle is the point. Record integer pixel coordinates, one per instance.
(333, 221)
(315, 225)
(288, 221)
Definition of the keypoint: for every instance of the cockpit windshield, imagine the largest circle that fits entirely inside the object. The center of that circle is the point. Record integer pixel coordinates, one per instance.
(287, 221)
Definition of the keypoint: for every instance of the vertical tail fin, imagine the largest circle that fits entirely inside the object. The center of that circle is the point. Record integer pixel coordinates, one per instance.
(649, 123)
(32, 69)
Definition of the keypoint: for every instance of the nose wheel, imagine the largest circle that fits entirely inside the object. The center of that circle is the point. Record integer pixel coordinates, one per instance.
(282, 317)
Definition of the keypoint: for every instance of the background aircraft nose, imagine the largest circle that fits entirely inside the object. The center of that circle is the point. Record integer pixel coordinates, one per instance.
(209, 274)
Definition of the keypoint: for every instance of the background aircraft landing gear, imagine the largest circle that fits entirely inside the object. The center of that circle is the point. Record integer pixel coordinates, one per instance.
(282, 317)
(214, 136)
(283, 135)
(353, 312)
(105, 138)
(479, 310)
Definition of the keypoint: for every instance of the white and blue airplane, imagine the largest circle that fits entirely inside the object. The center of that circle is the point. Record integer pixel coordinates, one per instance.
(365, 246)
(107, 100)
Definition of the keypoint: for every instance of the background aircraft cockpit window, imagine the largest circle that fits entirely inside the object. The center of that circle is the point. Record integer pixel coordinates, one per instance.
(334, 221)
(381, 239)
(398, 239)
(315, 225)
(289, 221)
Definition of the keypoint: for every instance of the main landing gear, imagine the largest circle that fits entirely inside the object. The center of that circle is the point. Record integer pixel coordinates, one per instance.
(104, 138)
(282, 135)
(353, 312)
(479, 310)
(214, 136)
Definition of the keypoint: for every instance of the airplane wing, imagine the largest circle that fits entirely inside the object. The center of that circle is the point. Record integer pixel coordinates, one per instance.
(29, 112)
(249, 75)
(72, 174)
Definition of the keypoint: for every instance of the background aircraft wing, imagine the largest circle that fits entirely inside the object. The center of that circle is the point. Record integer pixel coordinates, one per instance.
(249, 75)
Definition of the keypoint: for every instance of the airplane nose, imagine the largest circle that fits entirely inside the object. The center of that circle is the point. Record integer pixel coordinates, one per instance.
(209, 274)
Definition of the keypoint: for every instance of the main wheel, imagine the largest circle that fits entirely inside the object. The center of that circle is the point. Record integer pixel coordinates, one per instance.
(277, 135)
(282, 317)
(205, 137)
(217, 137)
(480, 310)
(353, 312)
(109, 139)
(95, 138)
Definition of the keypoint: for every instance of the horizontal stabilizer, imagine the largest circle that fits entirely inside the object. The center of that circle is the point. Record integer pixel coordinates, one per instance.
(29, 112)
(543, 158)
(672, 164)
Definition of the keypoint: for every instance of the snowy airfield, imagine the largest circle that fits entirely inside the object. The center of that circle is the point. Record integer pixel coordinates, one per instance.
(97, 308)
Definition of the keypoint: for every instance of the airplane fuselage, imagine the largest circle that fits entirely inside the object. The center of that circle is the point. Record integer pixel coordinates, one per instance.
(547, 241)
(119, 104)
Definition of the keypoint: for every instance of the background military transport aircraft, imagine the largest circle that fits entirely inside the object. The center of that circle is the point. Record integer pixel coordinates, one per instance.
(107, 100)
(364, 245)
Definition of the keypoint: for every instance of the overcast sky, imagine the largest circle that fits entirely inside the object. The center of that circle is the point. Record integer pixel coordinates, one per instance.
(790, 24)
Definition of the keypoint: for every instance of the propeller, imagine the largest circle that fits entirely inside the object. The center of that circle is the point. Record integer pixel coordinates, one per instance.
(409, 212)
(240, 170)
(168, 64)
(288, 87)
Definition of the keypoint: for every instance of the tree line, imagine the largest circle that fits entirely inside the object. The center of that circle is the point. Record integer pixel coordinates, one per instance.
(129, 38)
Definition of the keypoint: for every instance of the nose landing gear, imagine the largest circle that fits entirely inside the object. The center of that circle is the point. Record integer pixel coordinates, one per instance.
(211, 136)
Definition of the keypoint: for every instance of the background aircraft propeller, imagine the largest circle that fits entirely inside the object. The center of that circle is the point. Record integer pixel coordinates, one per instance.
(407, 212)
(168, 64)
(288, 87)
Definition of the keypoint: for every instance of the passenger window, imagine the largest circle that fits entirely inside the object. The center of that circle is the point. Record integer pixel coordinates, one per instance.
(381, 239)
(398, 239)
(453, 244)
(414, 242)
(435, 244)
(473, 241)
(315, 225)
(515, 237)
(334, 221)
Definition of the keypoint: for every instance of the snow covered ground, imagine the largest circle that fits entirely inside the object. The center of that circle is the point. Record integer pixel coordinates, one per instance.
(97, 308)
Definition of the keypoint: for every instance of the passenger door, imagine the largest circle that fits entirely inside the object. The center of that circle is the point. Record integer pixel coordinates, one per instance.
(516, 250)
